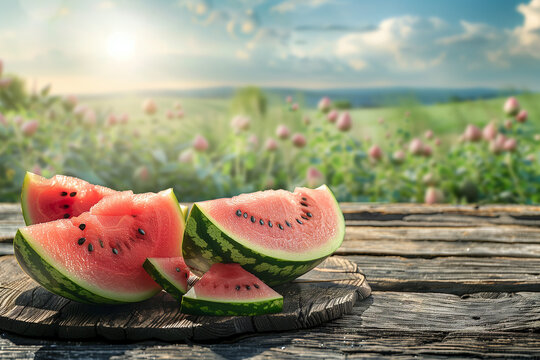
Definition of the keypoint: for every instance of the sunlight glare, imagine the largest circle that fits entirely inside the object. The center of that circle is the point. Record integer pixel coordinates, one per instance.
(121, 46)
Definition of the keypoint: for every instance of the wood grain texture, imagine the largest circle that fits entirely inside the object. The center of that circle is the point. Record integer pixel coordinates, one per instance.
(28, 309)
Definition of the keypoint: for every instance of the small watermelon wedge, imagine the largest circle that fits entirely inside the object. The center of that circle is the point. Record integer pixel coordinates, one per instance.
(97, 257)
(227, 290)
(171, 274)
(60, 197)
(275, 234)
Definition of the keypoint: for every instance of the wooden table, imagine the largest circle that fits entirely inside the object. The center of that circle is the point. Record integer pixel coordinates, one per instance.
(447, 281)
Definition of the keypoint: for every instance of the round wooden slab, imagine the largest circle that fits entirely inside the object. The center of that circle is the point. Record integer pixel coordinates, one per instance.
(323, 294)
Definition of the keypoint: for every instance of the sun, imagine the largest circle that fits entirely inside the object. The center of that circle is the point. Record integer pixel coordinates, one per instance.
(121, 46)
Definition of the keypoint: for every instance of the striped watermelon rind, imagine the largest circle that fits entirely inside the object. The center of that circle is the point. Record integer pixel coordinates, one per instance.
(160, 276)
(195, 306)
(206, 243)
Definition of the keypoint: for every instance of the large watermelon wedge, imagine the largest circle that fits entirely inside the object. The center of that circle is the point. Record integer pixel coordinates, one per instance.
(60, 197)
(97, 257)
(275, 235)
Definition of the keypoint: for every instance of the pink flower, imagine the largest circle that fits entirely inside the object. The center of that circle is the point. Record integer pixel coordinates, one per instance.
(70, 101)
(398, 156)
(299, 140)
(375, 152)
(240, 123)
(149, 107)
(472, 133)
(124, 118)
(511, 106)
(428, 151)
(497, 145)
(433, 196)
(521, 117)
(283, 132)
(89, 117)
(314, 177)
(180, 114)
(186, 156)
(253, 140)
(36, 169)
(490, 131)
(428, 134)
(429, 179)
(416, 147)
(5, 82)
(200, 143)
(80, 110)
(306, 120)
(111, 120)
(271, 145)
(510, 144)
(407, 113)
(508, 124)
(141, 173)
(332, 116)
(324, 104)
(437, 142)
(169, 114)
(344, 122)
(288, 99)
(294, 107)
(29, 128)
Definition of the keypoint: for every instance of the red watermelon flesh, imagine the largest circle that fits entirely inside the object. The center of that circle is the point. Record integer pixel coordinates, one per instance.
(280, 222)
(60, 197)
(170, 273)
(102, 251)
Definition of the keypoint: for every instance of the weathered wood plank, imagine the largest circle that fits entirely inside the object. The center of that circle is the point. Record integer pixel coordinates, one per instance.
(454, 275)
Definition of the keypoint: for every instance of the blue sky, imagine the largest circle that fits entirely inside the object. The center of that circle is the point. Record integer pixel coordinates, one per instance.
(117, 45)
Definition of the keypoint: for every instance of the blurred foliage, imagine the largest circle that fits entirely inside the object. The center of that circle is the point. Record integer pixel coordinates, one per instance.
(342, 104)
(249, 100)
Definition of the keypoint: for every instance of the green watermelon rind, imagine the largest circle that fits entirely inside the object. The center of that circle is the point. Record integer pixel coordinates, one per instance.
(194, 306)
(39, 266)
(24, 197)
(168, 284)
(206, 243)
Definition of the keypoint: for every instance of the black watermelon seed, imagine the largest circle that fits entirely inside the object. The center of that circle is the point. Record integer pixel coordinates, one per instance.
(65, 206)
(90, 247)
(100, 242)
(186, 275)
(141, 231)
(270, 223)
(256, 286)
(238, 213)
(81, 241)
(303, 217)
(252, 219)
(298, 221)
(63, 193)
(115, 252)
(309, 214)
(288, 224)
(177, 269)
(303, 204)
(245, 215)
(279, 225)
(303, 198)
(66, 216)
(248, 287)
(73, 194)
(82, 226)
(261, 222)
(237, 287)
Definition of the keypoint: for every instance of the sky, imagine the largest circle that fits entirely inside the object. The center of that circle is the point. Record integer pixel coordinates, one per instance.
(108, 46)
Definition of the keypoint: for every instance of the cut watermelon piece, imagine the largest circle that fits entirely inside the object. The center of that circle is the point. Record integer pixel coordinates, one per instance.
(275, 235)
(60, 197)
(227, 289)
(171, 274)
(97, 257)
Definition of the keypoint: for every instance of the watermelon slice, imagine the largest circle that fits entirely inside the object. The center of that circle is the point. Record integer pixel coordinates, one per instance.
(276, 235)
(227, 289)
(171, 274)
(60, 197)
(97, 257)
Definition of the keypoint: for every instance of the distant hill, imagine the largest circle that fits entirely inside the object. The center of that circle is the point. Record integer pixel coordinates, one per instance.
(366, 97)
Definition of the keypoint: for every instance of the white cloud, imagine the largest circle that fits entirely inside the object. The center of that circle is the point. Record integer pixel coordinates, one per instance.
(242, 54)
(357, 64)
(291, 5)
(473, 33)
(527, 37)
(400, 42)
